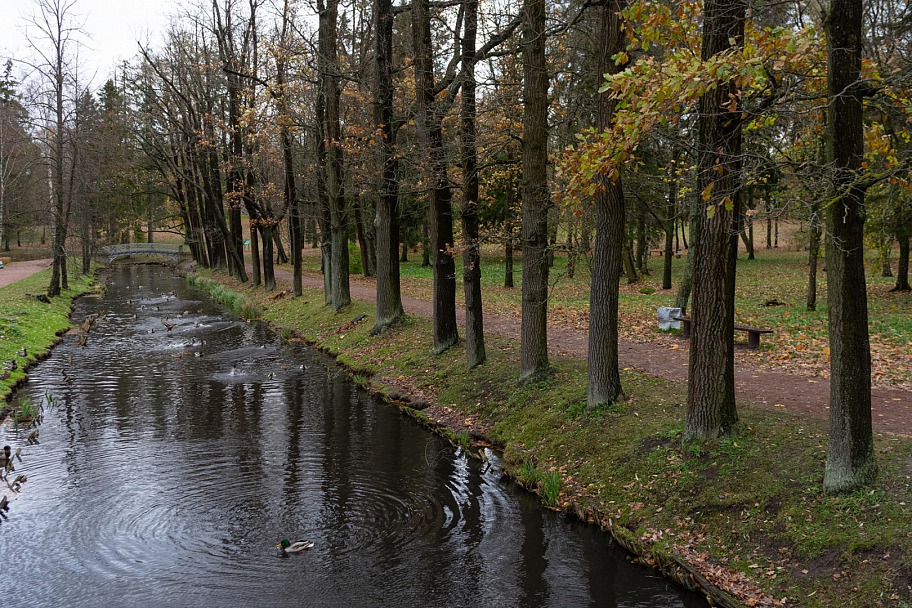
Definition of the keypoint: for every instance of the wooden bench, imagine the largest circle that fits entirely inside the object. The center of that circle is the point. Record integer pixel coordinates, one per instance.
(753, 333)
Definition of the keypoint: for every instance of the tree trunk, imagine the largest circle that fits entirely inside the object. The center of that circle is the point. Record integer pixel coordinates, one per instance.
(850, 452)
(292, 204)
(292, 208)
(361, 235)
(535, 195)
(553, 221)
(266, 231)
(471, 256)
(281, 255)
(386, 222)
(255, 254)
(572, 254)
(886, 248)
(426, 253)
(902, 273)
(642, 245)
(370, 239)
(769, 220)
(671, 230)
(508, 256)
(748, 230)
(813, 256)
(603, 377)
(711, 408)
(629, 265)
(59, 207)
(332, 132)
(695, 210)
(324, 218)
(441, 214)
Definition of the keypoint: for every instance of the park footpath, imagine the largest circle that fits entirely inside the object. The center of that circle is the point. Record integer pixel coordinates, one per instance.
(17, 271)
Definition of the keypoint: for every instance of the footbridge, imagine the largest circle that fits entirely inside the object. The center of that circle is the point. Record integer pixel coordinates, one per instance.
(173, 251)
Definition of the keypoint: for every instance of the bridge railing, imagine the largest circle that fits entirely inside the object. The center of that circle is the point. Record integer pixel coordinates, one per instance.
(169, 249)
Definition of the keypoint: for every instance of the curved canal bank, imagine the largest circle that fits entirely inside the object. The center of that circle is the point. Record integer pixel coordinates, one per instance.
(180, 443)
(743, 515)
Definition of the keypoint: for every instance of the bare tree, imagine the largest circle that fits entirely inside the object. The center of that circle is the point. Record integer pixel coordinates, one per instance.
(428, 114)
(54, 21)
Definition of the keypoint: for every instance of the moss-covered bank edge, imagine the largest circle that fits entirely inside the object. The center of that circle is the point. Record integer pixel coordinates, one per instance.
(741, 519)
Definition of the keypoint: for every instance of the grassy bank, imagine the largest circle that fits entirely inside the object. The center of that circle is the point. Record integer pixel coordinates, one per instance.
(35, 325)
(745, 513)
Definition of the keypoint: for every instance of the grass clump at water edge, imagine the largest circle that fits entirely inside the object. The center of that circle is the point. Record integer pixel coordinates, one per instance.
(26, 413)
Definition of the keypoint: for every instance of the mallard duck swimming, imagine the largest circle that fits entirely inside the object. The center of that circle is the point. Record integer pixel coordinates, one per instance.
(298, 546)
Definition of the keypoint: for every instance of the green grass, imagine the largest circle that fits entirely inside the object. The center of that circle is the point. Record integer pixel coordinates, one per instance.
(550, 487)
(235, 302)
(25, 322)
(749, 505)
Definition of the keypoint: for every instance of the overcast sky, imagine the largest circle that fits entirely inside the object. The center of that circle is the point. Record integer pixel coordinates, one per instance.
(112, 28)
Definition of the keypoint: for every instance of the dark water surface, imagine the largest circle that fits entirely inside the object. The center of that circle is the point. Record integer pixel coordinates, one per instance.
(165, 479)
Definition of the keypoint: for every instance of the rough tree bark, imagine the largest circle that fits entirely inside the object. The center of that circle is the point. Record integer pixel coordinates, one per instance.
(332, 133)
(603, 373)
(850, 460)
(670, 224)
(711, 408)
(324, 219)
(695, 210)
(386, 222)
(535, 195)
(292, 205)
(902, 274)
(508, 255)
(813, 257)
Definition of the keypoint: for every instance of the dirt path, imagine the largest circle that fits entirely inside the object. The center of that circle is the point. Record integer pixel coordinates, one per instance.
(21, 270)
(891, 408)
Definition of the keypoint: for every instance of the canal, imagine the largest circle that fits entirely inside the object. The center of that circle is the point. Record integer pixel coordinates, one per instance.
(180, 444)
